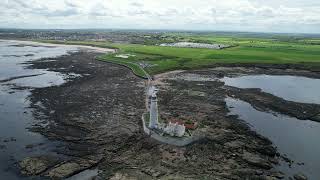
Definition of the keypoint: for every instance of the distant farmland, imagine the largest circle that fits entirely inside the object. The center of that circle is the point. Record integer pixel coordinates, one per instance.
(243, 50)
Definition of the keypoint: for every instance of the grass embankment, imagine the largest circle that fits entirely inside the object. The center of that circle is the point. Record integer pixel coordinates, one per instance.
(136, 68)
(245, 51)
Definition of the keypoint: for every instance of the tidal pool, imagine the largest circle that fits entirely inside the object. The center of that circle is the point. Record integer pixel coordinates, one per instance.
(297, 139)
(16, 141)
(292, 88)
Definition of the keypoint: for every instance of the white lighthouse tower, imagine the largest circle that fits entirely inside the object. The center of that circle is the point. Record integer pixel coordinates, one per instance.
(153, 112)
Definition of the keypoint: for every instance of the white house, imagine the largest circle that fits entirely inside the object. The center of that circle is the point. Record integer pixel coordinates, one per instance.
(174, 129)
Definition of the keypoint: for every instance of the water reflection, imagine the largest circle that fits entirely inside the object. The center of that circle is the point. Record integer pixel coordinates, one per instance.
(292, 88)
(298, 139)
(16, 142)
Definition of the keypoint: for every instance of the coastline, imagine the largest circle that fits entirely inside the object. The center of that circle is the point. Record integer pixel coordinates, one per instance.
(98, 116)
(95, 49)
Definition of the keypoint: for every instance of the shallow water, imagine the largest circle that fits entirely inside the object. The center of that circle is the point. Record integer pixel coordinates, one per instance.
(15, 114)
(298, 139)
(85, 175)
(292, 88)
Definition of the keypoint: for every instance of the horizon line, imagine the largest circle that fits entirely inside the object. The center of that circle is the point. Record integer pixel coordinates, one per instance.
(163, 29)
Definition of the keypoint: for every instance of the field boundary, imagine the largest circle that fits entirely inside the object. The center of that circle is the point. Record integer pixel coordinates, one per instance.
(130, 65)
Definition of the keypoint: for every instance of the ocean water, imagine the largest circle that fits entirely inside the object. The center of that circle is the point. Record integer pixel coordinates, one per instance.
(15, 112)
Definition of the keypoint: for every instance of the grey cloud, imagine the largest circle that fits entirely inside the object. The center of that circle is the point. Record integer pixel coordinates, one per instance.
(100, 10)
(59, 13)
(44, 11)
(21, 3)
(171, 13)
(139, 12)
(266, 12)
(136, 4)
(70, 4)
(39, 9)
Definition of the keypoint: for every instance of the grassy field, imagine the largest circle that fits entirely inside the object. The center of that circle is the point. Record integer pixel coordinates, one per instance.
(251, 50)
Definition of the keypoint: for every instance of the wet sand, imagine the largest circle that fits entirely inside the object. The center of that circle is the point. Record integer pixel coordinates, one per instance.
(32, 43)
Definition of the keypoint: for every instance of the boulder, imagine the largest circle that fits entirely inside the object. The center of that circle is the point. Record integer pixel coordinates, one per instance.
(120, 176)
(256, 160)
(64, 170)
(71, 167)
(278, 175)
(300, 176)
(154, 173)
(36, 165)
(235, 144)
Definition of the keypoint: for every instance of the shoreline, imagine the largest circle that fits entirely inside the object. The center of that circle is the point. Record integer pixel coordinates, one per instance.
(30, 42)
(99, 117)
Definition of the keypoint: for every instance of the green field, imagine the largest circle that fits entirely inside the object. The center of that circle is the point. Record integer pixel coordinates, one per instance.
(253, 50)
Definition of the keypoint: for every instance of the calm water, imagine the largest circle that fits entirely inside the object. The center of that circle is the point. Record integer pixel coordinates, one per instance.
(15, 114)
(292, 88)
(298, 139)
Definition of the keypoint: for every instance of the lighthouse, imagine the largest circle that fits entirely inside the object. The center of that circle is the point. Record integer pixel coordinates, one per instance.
(153, 112)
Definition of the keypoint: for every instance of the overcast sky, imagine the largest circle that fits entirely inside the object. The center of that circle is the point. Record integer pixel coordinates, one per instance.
(230, 15)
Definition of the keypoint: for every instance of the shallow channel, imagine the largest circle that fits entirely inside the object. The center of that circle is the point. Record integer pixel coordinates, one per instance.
(297, 139)
(292, 88)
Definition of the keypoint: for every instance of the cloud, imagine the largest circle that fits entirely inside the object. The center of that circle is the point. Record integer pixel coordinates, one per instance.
(35, 8)
(243, 15)
(73, 4)
(102, 10)
(59, 13)
(136, 4)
